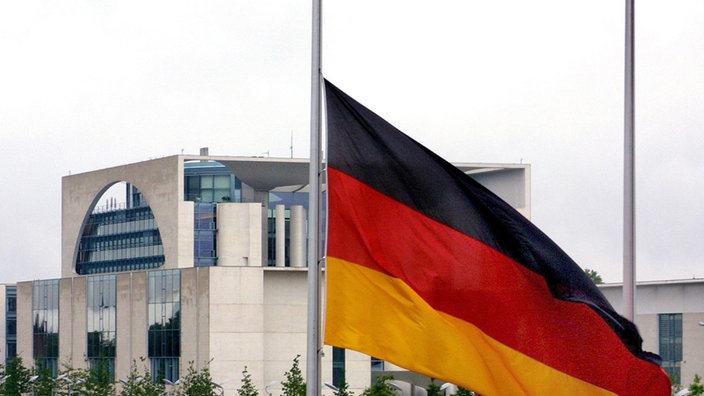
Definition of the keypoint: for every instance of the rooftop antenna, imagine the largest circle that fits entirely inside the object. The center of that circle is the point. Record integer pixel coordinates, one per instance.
(291, 147)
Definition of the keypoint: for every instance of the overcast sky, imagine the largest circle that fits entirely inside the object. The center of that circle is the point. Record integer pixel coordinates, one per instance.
(86, 85)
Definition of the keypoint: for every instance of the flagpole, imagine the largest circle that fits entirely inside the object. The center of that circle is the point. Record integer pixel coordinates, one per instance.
(313, 349)
(629, 266)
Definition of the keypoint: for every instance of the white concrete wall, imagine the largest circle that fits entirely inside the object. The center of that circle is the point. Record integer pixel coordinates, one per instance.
(161, 184)
(236, 325)
(25, 347)
(285, 313)
(195, 318)
(131, 337)
(239, 237)
(73, 322)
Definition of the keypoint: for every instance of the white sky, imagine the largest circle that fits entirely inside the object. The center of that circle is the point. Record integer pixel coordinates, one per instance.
(86, 85)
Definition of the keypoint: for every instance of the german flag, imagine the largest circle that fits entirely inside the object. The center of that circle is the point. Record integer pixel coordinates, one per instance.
(429, 270)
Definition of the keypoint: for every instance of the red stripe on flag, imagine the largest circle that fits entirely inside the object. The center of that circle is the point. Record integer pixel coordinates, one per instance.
(464, 278)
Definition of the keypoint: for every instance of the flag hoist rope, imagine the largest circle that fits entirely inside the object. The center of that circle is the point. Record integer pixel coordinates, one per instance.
(314, 347)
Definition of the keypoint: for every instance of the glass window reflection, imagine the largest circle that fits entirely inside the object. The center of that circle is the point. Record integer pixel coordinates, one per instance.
(164, 333)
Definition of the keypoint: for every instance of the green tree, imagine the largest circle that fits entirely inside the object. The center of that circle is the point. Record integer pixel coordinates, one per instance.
(433, 388)
(141, 384)
(380, 388)
(294, 385)
(71, 380)
(43, 384)
(464, 392)
(198, 382)
(343, 389)
(16, 378)
(594, 276)
(696, 388)
(98, 380)
(247, 388)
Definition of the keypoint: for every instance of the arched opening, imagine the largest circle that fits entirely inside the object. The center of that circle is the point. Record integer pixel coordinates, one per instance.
(120, 234)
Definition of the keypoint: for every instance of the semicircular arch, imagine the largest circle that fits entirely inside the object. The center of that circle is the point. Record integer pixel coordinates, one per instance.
(120, 235)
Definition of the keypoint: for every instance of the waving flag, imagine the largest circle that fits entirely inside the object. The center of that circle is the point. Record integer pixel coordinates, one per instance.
(429, 270)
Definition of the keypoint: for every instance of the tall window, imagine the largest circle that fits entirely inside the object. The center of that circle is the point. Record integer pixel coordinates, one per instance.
(102, 316)
(204, 231)
(164, 315)
(45, 327)
(670, 337)
(10, 323)
(338, 366)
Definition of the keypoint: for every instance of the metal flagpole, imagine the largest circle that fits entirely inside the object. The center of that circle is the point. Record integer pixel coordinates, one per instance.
(313, 334)
(629, 266)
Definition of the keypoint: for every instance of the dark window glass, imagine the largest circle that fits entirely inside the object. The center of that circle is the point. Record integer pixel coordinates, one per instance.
(45, 326)
(338, 366)
(204, 234)
(164, 318)
(101, 301)
(11, 322)
(211, 182)
(670, 344)
(377, 364)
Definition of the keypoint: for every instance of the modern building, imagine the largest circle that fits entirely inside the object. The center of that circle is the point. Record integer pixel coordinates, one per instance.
(670, 318)
(189, 259)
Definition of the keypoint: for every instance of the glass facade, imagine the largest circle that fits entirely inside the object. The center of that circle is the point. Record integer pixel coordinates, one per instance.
(164, 320)
(204, 229)
(10, 323)
(120, 239)
(207, 184)
(45, 326)
(670, 344)
(101, 301)
(211, 182)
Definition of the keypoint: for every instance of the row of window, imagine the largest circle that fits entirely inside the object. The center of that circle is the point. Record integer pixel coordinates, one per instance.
(120, 254)
(163, 333)
(121, 228)
(120, 265)
(142, 212)
(134, 239)
(120, 240)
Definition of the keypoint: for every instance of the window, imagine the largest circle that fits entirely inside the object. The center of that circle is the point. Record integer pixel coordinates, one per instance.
(210, 182)
(204, 230)
(377, 364)
(164, 320)
(45, 327)
(101, 322)
(670, 340)
(338, 366)
(10, 323)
